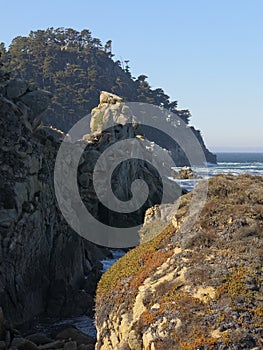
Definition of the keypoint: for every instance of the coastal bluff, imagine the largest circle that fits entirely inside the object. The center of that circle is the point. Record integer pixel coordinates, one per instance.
(196, 288)
(44, 265)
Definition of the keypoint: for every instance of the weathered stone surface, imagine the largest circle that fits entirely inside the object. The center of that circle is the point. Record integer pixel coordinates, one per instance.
(146, 161)
(8, 216)
(86, 347)
(53, 345)
(37, 101)
(42, 261)
(185, 173)
(72, 345)
(75, 335)
(110, 111)
(196, 285)
(39, 338)
(1, 324)
(23, 344)
(16, 88)
(109, 98)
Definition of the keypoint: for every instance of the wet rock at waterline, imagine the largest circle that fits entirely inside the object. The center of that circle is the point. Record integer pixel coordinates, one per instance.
(68, 339)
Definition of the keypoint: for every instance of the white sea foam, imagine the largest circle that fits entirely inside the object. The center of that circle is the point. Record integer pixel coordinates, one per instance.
(107, 263)
(83, 323)
(246, 165)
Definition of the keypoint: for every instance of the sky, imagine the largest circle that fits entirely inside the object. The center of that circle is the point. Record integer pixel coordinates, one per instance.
(206, 54)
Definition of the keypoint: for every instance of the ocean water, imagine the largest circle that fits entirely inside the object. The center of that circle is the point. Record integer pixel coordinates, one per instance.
(238, 163)
(83, 323)
(227, 163)
(108, 262)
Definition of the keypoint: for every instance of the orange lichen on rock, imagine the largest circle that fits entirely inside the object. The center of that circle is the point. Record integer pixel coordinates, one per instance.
(195, 289)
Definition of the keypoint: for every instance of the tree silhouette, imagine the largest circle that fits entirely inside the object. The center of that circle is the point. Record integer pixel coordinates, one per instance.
(75, 67)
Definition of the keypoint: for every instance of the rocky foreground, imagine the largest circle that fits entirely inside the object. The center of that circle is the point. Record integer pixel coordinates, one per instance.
(196, 288)
(45, 267)
(67, 337)
(190, 287)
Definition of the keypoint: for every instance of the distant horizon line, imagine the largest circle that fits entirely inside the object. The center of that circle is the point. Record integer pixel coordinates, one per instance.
(236, 149)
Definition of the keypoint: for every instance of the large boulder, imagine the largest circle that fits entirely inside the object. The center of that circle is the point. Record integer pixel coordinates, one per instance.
(186, 173)
(16, 88)
(71, 333)
(112, 110)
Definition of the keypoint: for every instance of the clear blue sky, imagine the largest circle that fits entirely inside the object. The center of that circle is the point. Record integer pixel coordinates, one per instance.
(207, 54)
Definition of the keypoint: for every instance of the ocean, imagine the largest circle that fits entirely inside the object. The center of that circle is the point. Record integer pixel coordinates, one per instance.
(238, 163)
(227, 163)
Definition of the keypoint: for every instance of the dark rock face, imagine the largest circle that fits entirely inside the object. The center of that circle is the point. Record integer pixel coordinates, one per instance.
(42, 261)
(44, 265)
(177, 152)
(210, 157)
(69, 338)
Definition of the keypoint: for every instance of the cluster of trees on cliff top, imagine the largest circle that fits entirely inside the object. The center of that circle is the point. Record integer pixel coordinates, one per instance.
(75, 67)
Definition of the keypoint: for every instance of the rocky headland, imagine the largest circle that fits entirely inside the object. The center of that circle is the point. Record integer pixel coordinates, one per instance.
(46, 267)
(188, 285)
(192, 286)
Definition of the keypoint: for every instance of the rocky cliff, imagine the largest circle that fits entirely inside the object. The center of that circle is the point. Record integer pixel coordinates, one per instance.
(44, 265)
(114, 129)
(195, 285)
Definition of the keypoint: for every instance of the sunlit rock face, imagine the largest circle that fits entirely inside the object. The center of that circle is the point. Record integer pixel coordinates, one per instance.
(116, 132)
(194, 286)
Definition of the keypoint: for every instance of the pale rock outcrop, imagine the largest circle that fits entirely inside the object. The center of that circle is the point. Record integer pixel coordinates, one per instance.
(112, 110)
(186, 173)
(112, 124)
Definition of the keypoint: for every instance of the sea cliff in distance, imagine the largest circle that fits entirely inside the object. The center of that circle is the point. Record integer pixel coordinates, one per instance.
(75, 68)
